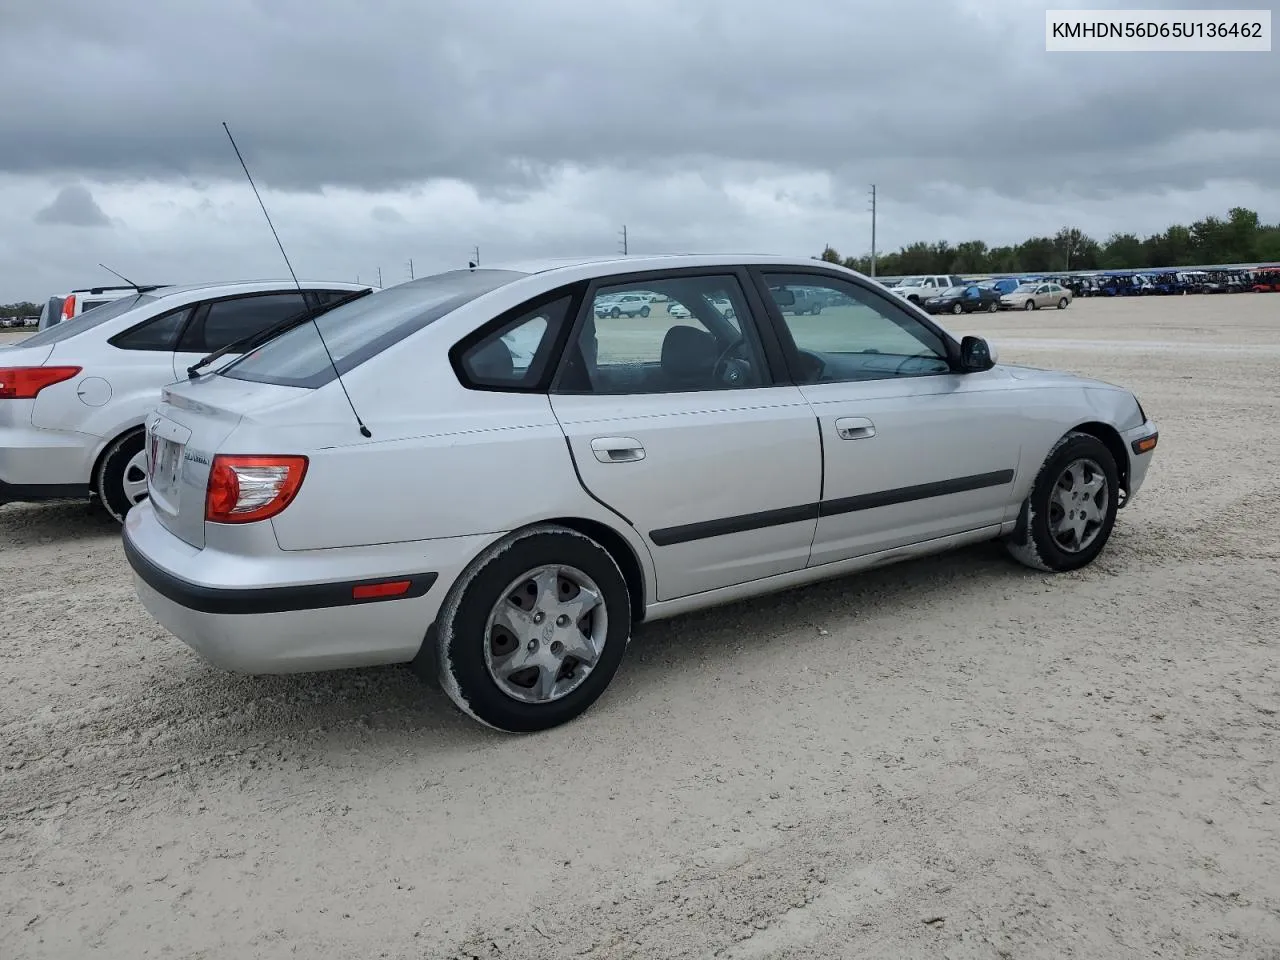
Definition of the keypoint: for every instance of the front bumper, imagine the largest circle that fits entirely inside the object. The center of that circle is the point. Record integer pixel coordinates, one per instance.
(291, 611)
(1139, 458)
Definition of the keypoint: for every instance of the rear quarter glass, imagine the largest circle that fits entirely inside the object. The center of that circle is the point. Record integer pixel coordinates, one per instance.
(357, 331)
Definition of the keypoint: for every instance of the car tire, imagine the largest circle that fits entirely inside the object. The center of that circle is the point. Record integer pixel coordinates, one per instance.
(121, 472)
(995, 307)
(468, 644)
(1085, 459)
(615, 313)
(644, 311)
(1062, 304)
(1029, 305)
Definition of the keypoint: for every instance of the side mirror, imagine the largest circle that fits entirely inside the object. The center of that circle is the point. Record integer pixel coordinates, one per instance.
(976, 355)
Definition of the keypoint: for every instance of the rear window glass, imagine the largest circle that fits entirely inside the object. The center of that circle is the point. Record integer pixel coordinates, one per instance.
(87, 321)
(356, 331)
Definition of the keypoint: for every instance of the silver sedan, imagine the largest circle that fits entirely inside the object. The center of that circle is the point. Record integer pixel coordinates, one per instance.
(480, 474)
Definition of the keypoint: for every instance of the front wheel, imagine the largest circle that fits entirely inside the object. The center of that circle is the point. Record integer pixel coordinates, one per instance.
(957, 309)
(615, 313)
(531, 634)
(121, 479)
(1029, 305)
(644, 311)
(1068, 516)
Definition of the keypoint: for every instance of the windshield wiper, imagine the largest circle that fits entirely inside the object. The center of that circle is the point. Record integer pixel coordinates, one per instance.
(244, 344)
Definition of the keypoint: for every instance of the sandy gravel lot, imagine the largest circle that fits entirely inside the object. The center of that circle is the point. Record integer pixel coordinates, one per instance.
(951, 758)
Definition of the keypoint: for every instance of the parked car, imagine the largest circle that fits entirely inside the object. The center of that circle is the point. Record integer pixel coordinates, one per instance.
(73, 397)
(69, 306)
(523, 516)
(1033, 296)
(919, 289)
(625, 305)
(966, 299)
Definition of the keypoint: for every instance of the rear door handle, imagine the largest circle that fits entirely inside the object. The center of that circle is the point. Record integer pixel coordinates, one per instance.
(617, 449)
(855, 428)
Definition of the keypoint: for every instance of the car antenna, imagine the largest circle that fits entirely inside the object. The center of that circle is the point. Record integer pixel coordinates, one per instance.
(138, 288)
(364, 431)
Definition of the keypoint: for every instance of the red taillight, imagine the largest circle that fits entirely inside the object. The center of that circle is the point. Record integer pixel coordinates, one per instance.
(69, 307)
(23, 383)
(243, 489)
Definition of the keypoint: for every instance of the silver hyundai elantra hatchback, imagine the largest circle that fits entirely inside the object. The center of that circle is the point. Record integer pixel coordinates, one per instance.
(485, 475)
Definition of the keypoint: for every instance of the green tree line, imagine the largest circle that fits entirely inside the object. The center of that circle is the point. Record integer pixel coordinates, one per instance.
(23, 308)
(1239, 238)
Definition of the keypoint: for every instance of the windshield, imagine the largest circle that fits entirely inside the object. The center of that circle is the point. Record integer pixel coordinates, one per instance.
(87, 321)
(953, 291)
(362, 329)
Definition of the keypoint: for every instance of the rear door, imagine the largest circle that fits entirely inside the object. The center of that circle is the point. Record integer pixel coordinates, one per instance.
(912, 450)
(679, 427)
(216, 323)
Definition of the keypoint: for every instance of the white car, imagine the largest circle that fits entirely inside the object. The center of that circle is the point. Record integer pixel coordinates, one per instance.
(920, 289)
(69, 306)
(625, 305)
(309, 513)
(73, 397)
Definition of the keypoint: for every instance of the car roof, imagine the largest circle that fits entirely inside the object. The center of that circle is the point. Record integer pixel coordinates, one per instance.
(213, 289)
(616, 263)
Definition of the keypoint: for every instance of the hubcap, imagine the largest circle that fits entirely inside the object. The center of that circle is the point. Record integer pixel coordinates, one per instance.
(545, 634)
(1078, 505)
(135, 478)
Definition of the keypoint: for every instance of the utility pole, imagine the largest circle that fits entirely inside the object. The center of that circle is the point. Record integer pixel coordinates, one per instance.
(475, 254)
(410, 269)
(379, 278)
(624, 239)
(873, 230)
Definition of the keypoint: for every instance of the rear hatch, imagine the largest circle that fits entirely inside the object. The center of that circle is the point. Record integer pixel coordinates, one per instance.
(193, 422)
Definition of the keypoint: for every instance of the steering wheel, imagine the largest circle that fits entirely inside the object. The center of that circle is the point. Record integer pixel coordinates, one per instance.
(727, 372)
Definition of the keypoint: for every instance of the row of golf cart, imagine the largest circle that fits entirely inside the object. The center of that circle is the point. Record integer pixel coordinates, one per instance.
(1175, 283)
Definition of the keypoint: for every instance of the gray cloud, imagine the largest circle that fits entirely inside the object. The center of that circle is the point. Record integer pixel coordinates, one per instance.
(74, 206)
(384, 214)
(326, 92)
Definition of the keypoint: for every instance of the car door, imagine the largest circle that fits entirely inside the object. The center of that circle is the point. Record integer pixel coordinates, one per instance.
(216, 323)
(912, 449)
(678, 426)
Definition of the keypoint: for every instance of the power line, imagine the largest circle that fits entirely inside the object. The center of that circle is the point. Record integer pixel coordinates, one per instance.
(873, 230)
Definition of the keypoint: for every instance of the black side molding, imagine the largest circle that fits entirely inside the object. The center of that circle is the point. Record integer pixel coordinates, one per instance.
(250, 600)
(686, 533)
(740, 524)
(923, 491)
(36, 492)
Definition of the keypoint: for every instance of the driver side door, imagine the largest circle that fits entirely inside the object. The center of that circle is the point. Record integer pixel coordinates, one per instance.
(913, 449)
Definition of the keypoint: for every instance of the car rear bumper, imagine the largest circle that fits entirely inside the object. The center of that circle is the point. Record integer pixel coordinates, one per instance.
(31, 458)
(1139, 462)
(306, 618)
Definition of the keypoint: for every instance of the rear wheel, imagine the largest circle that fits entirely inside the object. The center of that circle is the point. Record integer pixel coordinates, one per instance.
(644, 311)
(957, 309)
(1062, 304)
(1069, 515)
(994, 306)
(532, 634)
(121, 479)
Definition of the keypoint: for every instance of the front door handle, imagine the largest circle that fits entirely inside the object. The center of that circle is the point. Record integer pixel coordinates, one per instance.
(617, 449)
(855, 428)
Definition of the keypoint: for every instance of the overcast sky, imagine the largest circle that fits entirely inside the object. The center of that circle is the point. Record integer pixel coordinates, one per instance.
(385, 130)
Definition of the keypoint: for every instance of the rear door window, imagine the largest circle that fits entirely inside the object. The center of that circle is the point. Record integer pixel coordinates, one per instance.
(226, 321)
